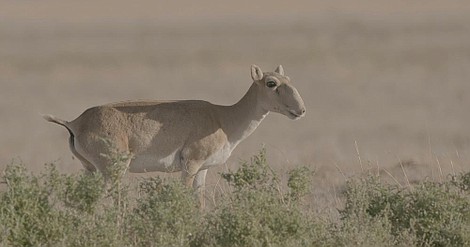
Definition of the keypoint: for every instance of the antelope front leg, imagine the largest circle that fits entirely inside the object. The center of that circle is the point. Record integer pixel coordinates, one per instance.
(189, 171)
(192, 176)
(199, 184)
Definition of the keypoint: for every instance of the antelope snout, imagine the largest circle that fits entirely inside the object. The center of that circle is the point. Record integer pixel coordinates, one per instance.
(301, 112)
(296, 114)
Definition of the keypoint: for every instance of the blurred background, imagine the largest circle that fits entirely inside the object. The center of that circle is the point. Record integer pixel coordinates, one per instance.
(386, 83)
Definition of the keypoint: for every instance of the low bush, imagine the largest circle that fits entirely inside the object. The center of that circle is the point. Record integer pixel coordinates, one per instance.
(428, 214)
(258, 212)
(53, 209)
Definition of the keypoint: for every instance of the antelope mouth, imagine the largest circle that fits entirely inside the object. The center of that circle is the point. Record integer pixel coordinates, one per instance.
(294, 115)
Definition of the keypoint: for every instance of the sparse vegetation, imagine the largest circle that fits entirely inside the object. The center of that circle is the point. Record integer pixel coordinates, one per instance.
(53, 209)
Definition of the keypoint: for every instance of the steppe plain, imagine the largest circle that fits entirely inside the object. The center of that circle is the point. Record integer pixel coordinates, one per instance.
(386, 84)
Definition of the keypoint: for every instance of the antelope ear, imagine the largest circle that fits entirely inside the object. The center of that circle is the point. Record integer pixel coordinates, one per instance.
(256, 73)
(279, 70)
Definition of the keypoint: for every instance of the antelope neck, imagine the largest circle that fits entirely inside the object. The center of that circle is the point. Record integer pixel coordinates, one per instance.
(242, 118)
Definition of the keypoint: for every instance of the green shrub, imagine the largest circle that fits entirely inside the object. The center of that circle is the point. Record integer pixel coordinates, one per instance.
(254, 175)
(367, 218)
(257, 212)
(429, 214)
(83, 192)
(27, 214)
(299, 182)
(438, 214)
(53, 209)
(462, 182)
(166, 214)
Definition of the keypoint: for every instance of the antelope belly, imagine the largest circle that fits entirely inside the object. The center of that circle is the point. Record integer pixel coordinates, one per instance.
(153, 163)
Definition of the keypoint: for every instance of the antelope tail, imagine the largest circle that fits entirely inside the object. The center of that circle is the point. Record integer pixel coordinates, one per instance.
(58, 121)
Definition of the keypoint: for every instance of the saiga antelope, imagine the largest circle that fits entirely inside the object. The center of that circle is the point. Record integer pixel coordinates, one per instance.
(188, 135)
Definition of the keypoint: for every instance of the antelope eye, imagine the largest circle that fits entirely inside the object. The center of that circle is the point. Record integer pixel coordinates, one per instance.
(271, 84)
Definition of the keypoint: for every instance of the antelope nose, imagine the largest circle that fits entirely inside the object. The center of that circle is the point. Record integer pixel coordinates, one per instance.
(301, 112)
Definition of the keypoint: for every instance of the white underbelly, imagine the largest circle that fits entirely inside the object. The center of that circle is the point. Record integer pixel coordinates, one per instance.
(148, 162)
